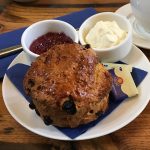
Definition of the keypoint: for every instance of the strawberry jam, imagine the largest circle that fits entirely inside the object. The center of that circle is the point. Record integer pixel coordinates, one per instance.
(45, 42)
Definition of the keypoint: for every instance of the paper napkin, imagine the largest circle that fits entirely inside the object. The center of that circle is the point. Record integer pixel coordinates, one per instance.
(16, 75)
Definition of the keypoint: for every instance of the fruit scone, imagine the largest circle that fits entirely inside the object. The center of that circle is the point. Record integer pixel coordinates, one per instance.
(68, 85)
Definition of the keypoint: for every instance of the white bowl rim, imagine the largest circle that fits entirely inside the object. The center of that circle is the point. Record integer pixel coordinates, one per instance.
(129, 33)
(27, 50)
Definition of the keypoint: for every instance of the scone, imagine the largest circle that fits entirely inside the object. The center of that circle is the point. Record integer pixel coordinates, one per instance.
(68, 85)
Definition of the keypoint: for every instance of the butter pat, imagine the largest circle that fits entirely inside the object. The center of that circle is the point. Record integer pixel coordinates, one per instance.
(123, 84)
(109, 66)
(105, 34)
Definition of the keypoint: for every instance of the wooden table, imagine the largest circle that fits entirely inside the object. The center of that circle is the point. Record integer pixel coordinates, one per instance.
(136, 135)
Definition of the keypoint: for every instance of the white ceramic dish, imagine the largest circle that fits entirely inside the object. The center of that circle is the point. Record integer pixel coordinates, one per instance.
(42, 27)
(121, 116)
(138, 38)
(116, 52)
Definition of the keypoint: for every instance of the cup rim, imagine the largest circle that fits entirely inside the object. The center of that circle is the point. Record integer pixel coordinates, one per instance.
(27, 50)
(129, 33)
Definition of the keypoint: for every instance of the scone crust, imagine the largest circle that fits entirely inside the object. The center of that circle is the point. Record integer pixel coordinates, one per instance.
(68, 70)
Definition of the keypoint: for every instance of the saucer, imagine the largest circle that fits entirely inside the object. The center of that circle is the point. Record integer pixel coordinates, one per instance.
(140, 37)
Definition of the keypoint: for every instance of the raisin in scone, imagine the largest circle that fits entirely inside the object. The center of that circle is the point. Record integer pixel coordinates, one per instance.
(68, 85)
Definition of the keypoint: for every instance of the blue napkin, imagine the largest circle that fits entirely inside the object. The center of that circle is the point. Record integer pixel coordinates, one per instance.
(16, 74)
(14, 37)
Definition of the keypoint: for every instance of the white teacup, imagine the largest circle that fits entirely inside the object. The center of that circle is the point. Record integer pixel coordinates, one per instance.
(141, 11)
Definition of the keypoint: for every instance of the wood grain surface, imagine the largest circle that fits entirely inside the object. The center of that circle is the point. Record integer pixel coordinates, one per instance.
(13, 15)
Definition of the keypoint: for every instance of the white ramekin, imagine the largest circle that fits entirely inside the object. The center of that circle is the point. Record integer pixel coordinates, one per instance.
(42, 27)
(114, 53)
